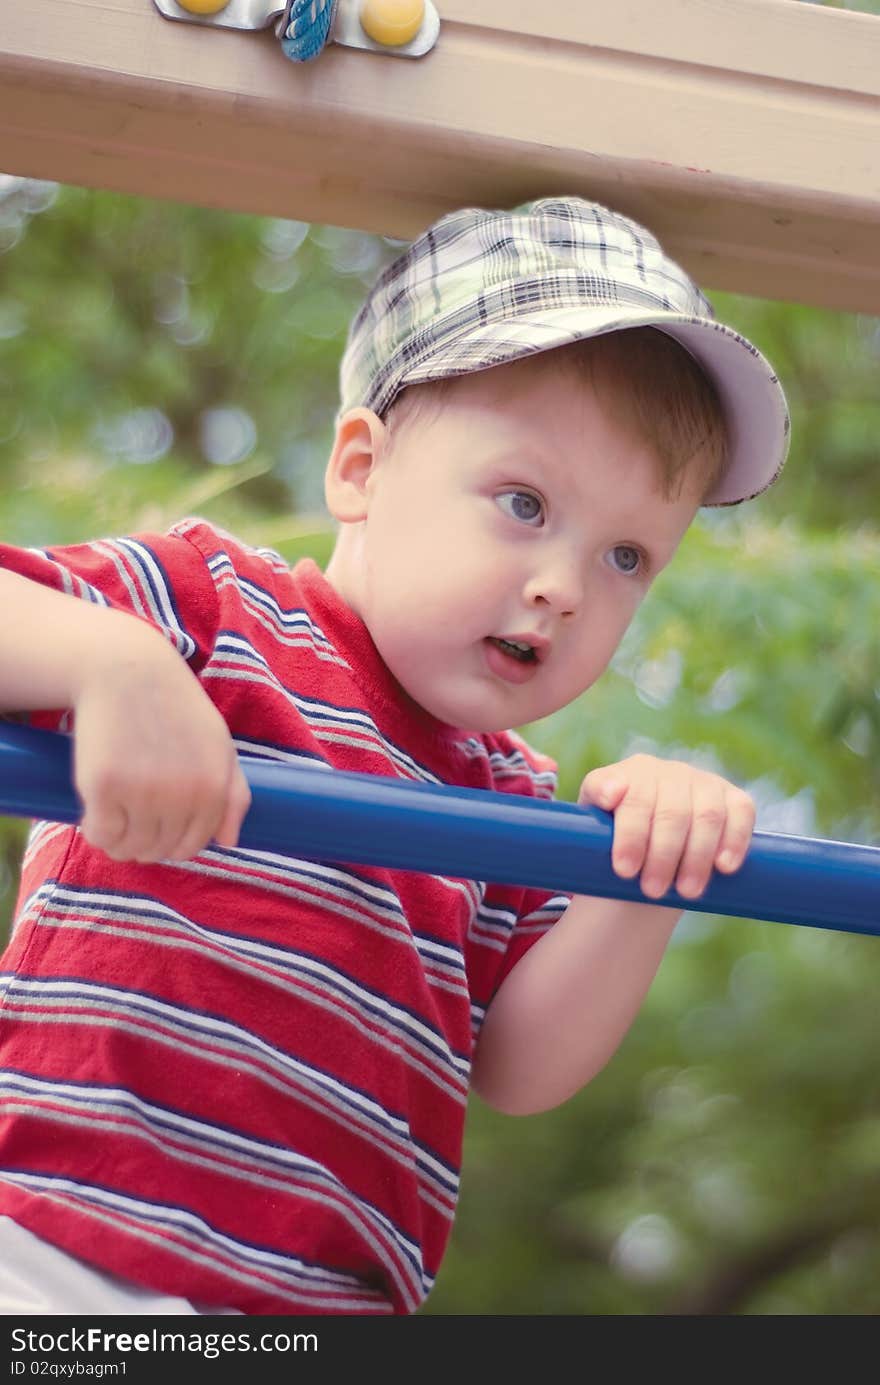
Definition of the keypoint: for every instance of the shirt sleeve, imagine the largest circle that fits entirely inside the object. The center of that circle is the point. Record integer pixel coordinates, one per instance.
(161, 579)
(511, 919)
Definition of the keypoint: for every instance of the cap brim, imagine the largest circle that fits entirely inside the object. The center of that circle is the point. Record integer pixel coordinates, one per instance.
(751, 395)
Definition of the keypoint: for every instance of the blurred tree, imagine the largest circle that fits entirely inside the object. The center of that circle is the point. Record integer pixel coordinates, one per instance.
(161, 360)
(170, 341)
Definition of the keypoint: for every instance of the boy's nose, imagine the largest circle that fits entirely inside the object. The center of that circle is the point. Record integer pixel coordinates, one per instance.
(558, 585)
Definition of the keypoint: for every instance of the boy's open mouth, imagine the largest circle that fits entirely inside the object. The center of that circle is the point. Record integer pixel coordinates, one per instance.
(517, 649)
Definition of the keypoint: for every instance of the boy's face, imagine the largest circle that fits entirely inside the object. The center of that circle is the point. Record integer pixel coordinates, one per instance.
(517, 512)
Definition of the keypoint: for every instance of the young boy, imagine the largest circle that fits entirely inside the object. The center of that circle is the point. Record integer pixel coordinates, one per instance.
(234, 1081)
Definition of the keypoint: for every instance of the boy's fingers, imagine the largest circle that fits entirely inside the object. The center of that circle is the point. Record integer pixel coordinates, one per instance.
(155, 823)
(194, 836)
(154, 828)
(738, 829)
(158, 828)
(140, 840)
(221, 824)
(675, 827)
(104, 825)
(604, 788)
(143, 839)
(709, 816)
(669, 828)
(145, 843)
(237, 803)
(632, 830)
(173, 832)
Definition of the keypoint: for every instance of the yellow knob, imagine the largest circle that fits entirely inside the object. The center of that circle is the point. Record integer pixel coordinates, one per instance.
(203, 6)
(392, 22)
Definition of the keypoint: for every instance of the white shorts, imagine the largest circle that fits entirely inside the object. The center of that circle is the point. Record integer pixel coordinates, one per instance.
(36, 1277)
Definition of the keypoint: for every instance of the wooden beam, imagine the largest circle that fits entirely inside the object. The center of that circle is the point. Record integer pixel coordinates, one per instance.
(746, 133)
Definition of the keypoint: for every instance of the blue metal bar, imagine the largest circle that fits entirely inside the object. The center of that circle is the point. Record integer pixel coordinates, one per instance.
(328, 815)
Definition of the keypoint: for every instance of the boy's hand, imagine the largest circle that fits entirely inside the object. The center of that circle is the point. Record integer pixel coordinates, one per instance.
(154, 762)
(673, 823)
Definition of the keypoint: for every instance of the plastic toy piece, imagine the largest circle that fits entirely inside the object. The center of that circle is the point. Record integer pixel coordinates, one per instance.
(203, 6)
(358, 24)
(398, 28)
(233, 14)
(391, 23)
(305, 28)
(323, 815)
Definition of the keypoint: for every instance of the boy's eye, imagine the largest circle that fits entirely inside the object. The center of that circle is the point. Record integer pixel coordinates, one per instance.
(626, 558)
(521, 505)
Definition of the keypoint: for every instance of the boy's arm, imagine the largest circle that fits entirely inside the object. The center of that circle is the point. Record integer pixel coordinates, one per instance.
(51, 644)
(565, 1007)
(153, 759)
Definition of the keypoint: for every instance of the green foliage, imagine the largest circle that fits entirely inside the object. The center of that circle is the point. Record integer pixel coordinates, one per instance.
(163, 360)
(148, 344)
(829, 363)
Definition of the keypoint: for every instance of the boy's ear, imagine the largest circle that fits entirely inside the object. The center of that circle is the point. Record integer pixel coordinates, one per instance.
(357, 447)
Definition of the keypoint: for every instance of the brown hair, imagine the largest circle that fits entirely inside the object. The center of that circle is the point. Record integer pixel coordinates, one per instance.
(651, 386)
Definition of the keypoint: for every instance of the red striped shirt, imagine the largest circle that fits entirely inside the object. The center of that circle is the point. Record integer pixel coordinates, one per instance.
(243, 1078)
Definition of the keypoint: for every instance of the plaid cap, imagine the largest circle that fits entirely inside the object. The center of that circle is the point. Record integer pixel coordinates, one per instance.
(481, 287)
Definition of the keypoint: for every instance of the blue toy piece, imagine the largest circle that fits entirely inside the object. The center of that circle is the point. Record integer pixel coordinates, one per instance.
(306, 28)
(477, 834)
